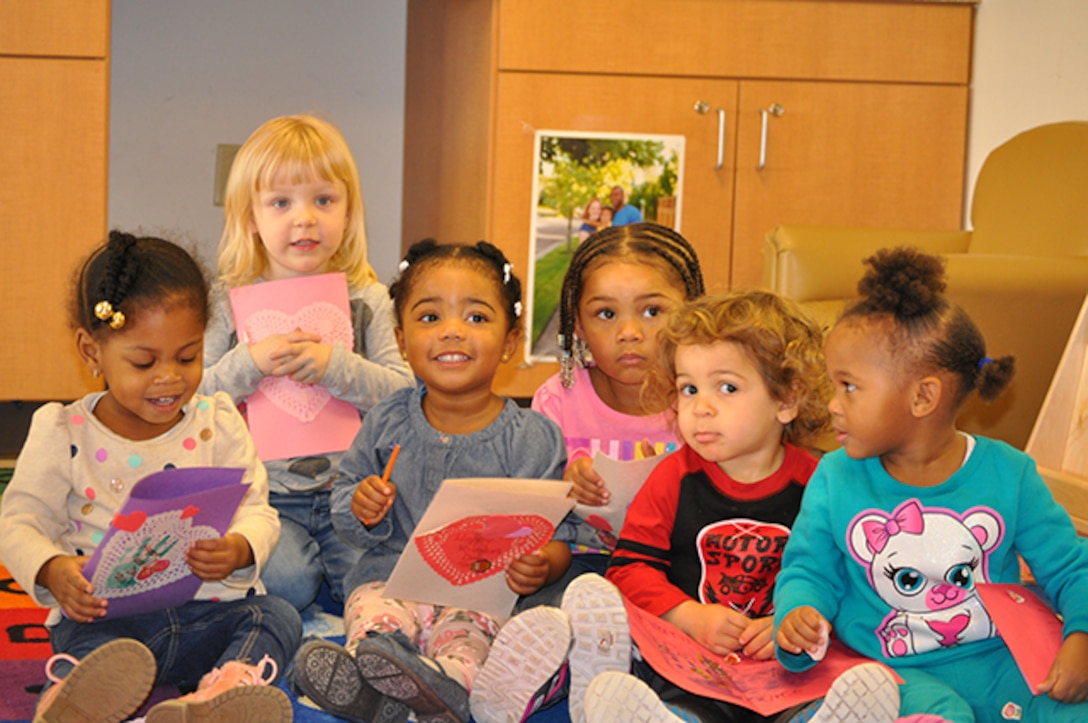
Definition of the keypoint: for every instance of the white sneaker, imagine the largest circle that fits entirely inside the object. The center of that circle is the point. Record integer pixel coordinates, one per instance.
(614, 697)
(602, 638)
(525, 669)
(866, 693)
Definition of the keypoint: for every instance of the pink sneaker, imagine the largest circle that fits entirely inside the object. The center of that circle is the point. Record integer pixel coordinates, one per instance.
(108, 685)
(235, 692)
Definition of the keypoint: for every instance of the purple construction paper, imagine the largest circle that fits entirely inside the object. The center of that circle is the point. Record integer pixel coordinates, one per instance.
(139, 565)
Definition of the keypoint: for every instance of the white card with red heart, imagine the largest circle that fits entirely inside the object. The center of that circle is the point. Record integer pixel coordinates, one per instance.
(472, 530)
(139, 565)
(623, 479)
(288, 418)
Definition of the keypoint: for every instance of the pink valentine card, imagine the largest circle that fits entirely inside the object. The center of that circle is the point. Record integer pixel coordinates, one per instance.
(289, 418)
(1028, 626)
(760, 685)
(472, 530)
(139, 565)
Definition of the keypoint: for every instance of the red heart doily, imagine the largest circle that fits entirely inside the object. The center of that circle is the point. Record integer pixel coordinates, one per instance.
(474, 548)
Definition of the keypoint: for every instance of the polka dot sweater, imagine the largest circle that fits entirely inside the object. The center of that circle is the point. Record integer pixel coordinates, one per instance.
(74, 474)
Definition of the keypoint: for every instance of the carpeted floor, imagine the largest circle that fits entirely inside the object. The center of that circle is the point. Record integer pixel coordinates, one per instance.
(24, 648)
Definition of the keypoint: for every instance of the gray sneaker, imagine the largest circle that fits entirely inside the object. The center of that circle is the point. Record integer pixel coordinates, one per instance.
(328, 675)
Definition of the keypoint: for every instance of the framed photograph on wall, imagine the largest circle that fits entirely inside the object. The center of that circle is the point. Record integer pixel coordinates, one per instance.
(583, 182)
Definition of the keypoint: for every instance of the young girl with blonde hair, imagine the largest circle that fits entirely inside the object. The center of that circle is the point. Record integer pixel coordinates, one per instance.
(293, 208)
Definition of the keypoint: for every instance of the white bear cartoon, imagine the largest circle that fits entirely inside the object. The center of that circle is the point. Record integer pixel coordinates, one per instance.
(924, 562)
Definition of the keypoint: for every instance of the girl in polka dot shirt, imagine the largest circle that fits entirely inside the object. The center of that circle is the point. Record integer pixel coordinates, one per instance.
(139, 310)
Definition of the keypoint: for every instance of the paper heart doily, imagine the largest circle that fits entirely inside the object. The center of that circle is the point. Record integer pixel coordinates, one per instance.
(302, 401)
(474, 548)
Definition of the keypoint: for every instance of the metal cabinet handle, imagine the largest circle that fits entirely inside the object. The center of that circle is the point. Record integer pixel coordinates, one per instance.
(702, 108)
(765, 113)
(721, 139)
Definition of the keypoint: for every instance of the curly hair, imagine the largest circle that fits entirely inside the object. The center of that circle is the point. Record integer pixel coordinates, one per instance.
(783, 341)
(904, 289)
(487, 258)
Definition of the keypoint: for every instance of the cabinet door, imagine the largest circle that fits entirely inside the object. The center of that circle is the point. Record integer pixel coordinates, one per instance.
(54, 213)
(617, 104)
(845, 154)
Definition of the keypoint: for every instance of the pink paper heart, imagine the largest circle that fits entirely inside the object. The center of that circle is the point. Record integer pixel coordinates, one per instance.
(190, 511)
(130, 522)
(474, 548)
(302, 401)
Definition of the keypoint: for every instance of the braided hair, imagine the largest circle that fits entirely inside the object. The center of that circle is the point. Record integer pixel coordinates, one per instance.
(485, 257)
(645, 242)
(904, 288)
(128, 274)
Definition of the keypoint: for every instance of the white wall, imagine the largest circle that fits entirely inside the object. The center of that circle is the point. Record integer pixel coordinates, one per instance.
(186, 76)
(1030, 68)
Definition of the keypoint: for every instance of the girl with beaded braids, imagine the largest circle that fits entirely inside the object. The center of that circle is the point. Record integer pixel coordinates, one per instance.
(458, 317)
(899, 526)
(293, 208)
(139, 309)
(622, 284)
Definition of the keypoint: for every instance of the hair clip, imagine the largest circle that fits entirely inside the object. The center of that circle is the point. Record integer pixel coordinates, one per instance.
(506, 269)
(104, 311)
(517, 308)
(403, 266)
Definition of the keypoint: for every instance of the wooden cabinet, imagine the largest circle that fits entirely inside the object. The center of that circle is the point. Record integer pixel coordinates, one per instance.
(54, 70)
(851, 113)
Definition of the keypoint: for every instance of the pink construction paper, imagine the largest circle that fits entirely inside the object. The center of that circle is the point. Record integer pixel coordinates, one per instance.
(760, 685)
(139, 566)
(286, 418)
(1028, 626)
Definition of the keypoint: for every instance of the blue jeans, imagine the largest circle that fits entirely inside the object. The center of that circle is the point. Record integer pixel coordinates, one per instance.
(309, 551)
(190, 640)
(552, 595)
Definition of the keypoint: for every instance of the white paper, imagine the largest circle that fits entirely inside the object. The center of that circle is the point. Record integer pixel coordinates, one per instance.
(440, 564)
(623, 480)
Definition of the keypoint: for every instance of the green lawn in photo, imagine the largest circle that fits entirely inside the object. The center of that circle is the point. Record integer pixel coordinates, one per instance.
(547, 284)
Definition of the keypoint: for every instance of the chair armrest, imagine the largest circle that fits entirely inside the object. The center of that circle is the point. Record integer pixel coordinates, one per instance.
(823, 263)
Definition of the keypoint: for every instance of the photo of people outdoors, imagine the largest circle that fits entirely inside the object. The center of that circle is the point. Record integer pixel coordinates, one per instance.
(585, 182)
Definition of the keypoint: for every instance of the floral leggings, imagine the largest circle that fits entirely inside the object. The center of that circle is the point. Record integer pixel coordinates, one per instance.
(457, 640)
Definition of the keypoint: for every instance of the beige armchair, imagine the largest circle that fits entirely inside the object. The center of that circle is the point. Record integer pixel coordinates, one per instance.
(1021, 273)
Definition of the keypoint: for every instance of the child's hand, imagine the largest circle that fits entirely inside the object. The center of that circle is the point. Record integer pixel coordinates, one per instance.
(63, 576)
(757, 640)
(804, 629)
(588, 487)
(1068, 677)
(305, 360)
(372, 500)
(528, 573)
(266, 351)
(716, 627)
(215, 559)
